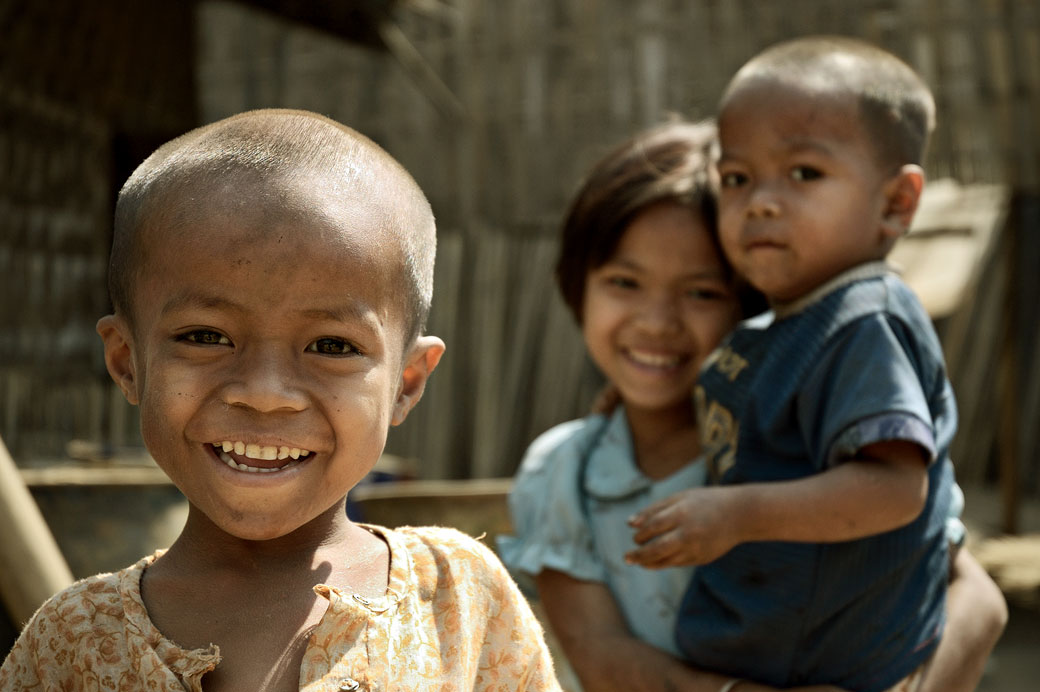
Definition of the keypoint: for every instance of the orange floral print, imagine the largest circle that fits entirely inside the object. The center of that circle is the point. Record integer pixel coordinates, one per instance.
(451, 620)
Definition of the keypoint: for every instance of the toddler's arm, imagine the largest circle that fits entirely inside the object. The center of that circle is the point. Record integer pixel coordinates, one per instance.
(883, 488)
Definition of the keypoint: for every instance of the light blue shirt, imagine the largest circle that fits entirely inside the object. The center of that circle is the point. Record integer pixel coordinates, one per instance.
(574, 519)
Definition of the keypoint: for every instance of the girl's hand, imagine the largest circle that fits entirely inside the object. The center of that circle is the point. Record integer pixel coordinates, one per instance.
(692, 527)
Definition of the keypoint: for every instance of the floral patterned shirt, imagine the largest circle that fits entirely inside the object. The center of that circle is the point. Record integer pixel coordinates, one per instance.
(452, 619)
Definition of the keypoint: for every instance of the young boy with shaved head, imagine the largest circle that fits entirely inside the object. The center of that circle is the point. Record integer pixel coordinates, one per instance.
(271, 275)
(828, 420)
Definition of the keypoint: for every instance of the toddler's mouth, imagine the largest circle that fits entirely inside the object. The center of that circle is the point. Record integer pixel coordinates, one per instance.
(242, 450)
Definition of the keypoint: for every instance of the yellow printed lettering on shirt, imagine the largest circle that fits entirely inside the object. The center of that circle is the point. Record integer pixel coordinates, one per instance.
(719, 430)
(730, 363)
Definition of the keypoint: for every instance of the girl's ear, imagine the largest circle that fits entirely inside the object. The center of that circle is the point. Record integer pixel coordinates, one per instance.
(420, 361)
(119, 354)
(902, 193)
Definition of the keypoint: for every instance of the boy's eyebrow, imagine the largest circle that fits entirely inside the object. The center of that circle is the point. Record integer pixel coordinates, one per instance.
(199, 299)
(348, 311)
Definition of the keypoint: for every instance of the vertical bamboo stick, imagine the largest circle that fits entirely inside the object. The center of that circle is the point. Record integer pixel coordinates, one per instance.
(33, 566)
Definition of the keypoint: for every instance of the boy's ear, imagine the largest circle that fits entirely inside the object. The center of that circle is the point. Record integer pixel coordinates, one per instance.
(119, 354)
(421, 360)
(902, 193)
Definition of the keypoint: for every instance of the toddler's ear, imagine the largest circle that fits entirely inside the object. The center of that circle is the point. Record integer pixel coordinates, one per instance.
(419, 362)
(902, 193)
(119, 356)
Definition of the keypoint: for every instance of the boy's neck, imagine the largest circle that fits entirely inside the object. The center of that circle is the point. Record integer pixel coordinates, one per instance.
(331, 537)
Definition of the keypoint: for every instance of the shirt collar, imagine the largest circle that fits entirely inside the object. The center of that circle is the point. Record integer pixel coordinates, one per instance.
(869, 270)
(611, 472)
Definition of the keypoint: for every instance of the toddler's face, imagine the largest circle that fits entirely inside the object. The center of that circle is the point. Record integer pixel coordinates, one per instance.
(658, 307)
(803, 197)
(267, 359)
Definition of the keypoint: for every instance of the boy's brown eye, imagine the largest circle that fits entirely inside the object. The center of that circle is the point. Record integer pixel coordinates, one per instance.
(330, 346)
(206, 337)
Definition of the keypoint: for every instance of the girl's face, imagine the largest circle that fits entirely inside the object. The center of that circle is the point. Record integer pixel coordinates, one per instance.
(656, 309)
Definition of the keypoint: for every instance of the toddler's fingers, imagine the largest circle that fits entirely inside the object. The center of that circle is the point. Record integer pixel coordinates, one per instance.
(654, 527)
(648, 513)
(654, 552)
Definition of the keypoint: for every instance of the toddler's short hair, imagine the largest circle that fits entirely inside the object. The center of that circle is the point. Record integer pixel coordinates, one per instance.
(261, 146)
(897, 106)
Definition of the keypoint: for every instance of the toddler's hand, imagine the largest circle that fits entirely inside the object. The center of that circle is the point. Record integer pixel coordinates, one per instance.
(692, 527)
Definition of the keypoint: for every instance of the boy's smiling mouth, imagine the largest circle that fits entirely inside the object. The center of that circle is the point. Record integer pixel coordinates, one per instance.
(226, 448)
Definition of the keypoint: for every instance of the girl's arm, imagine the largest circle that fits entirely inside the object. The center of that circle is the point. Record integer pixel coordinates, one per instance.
(606, 656)
(975, 618)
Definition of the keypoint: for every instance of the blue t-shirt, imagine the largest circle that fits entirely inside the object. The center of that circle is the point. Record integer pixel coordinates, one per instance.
(856, 363)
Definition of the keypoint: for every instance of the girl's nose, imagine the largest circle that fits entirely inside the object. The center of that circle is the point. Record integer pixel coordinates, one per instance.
(265, 381)
(660, 315)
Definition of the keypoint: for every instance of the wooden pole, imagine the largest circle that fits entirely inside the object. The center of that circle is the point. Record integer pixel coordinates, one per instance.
(32, 567)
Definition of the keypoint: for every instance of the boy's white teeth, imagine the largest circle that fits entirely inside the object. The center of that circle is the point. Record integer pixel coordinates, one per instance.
(256, 451)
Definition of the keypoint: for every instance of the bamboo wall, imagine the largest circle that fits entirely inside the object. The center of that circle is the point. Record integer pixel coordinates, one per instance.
(497, 107)
(78, 94)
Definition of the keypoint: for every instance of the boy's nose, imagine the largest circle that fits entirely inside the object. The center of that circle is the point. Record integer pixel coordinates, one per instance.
(265, 382)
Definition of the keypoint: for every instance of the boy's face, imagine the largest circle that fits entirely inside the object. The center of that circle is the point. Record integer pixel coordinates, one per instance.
(267, 357)
(656, 309)
(803, 196)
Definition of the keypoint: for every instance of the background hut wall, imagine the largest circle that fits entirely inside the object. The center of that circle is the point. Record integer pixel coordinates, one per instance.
(79, 99)
(497, 107)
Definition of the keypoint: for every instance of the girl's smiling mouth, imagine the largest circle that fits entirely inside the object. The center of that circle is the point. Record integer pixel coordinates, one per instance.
(234, 453)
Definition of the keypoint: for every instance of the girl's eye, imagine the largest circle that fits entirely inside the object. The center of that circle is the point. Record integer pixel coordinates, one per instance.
(806, 173)
(331, 346)
(706, 294)
(733, 179)
(622, 282)
(205, 337)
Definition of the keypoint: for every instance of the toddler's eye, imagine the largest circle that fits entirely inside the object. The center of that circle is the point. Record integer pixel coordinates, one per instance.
(806, 173)
(206, 337)
(733, 179)
(331, 346)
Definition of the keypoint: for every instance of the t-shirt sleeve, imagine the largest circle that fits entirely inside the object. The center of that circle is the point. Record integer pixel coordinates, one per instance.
(550, 528)
(866, 388)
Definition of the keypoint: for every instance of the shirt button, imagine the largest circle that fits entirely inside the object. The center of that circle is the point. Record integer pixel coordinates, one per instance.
(349, 685)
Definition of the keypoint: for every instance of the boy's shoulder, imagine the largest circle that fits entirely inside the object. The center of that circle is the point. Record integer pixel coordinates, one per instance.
(445, 564)
(438, 546)
(89, 618)
(81, 604)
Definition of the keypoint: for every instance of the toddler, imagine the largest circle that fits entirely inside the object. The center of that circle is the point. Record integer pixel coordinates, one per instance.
(827, 421)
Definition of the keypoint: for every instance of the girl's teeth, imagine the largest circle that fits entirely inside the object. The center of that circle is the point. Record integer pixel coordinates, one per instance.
(240, 448)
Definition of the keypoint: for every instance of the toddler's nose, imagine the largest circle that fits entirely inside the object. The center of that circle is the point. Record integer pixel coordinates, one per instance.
(764, 201)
